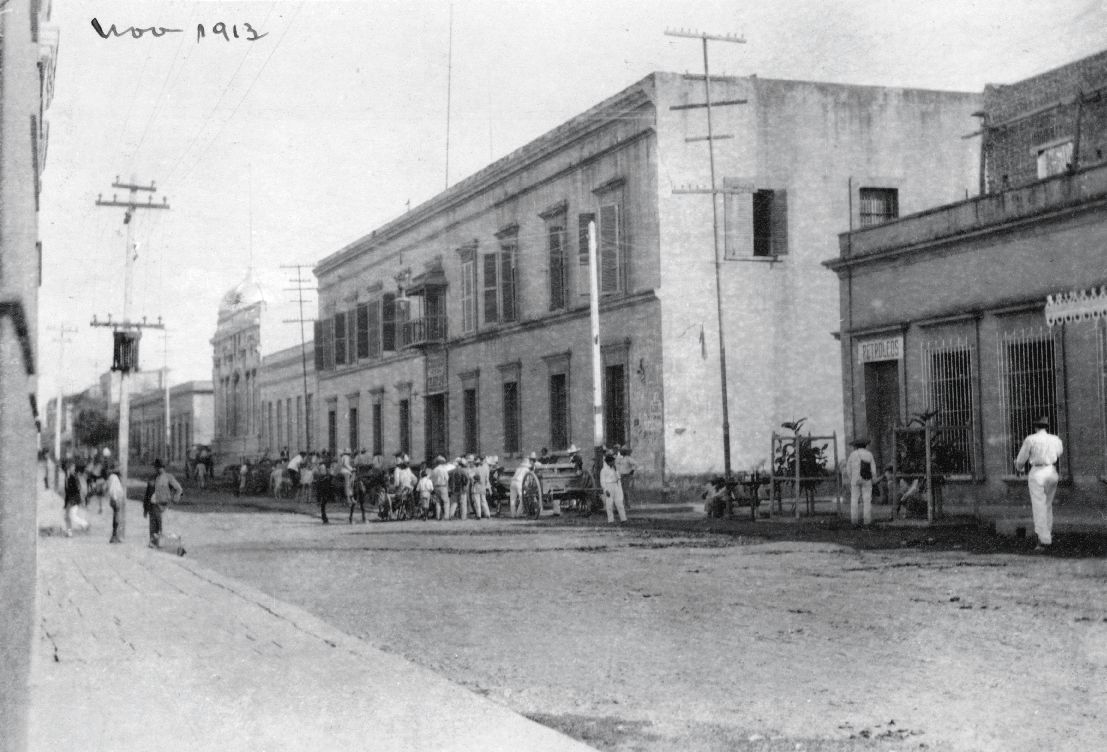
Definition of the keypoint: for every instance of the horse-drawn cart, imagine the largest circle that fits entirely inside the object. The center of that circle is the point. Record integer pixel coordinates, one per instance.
(558, 485)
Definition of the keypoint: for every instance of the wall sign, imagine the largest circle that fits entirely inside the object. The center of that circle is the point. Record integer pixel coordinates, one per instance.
(436, 372)
(885, 348)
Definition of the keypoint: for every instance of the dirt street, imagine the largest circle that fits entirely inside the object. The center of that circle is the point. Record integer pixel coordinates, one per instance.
(702, 635)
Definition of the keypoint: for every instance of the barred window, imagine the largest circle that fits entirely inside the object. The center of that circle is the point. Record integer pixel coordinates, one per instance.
(378, 426)
(947, 373)
(469, 417)
(469, 295)
(353, 430)
(583, 280)
(362, 330)
(610, 250)
(1027, 382)
(555, 234)
(878, 205)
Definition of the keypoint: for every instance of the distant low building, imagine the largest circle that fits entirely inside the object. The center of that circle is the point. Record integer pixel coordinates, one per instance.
(288, 388)
(991, 311)
(191, 422)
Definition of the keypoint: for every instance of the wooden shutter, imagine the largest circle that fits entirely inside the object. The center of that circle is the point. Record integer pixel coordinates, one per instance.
(556, 234)
(319, 350)
(374, 315)
(363, 330)
(780, 223)
(491, 290)
(507, 284)
(609, 248)
(388, 322)
(351, 335)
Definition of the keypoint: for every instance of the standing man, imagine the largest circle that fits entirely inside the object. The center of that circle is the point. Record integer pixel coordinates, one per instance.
(517, 482)
(440, 480)
(1038, 455)
(117, 498)
(626, 465)
(479, 487)
(860, 465)
(612, 489)
(166, 491)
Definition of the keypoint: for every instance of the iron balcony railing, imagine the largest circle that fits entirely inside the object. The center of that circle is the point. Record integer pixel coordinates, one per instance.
(424, 331)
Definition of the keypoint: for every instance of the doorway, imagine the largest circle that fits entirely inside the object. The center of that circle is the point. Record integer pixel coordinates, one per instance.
(437, 439)
(882, 408)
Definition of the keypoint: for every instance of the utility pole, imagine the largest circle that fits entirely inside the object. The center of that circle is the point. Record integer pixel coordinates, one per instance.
(165, 385)
(62, 330)
(713, 191)
(300, 287)
(126, 332)
(597, 371)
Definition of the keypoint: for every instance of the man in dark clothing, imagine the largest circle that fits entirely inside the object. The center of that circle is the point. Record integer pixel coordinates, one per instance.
(323, 492)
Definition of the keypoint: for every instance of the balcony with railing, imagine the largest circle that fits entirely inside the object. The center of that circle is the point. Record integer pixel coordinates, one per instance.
(430, 330)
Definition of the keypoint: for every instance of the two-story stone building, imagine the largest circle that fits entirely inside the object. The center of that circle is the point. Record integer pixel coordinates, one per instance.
(990, 310)
(463, 325)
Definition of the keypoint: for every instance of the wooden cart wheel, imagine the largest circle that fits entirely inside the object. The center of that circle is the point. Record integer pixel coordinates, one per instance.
(531, 495)
(586, 501)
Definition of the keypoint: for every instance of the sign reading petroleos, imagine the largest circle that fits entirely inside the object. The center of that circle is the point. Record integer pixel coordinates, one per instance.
(436, 372)
(886, 348)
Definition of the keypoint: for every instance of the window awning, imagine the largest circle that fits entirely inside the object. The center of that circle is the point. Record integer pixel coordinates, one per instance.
(1077, 305)
(432, 278)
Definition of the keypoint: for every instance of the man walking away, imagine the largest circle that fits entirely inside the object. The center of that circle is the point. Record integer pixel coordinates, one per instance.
(459, 489)
(860, 465)
(166, 491)
(1039, 454)
(440, 479)
(479, 487)
(117, 499)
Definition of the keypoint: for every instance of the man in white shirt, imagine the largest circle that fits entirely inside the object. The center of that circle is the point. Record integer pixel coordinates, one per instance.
(1038, 455)
(612, 490)
(861, 467)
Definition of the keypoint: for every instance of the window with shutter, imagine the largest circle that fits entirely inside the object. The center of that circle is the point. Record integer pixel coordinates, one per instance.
(362, 330)
(374, 314)
(340, 339)
(763, 223)
(609, 249)
(780, 223)
(508, 307)
(582, 252)
(491, 289)
(511, 405)
(555, 234)
(351, 336)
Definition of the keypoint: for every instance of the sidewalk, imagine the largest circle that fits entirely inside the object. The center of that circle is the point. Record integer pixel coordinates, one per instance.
(139, 650)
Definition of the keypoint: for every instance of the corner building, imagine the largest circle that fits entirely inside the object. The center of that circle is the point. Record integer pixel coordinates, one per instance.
(991, 310)
(463, 325)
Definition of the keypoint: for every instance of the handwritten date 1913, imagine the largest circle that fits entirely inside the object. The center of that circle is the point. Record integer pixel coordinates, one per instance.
(248, 32)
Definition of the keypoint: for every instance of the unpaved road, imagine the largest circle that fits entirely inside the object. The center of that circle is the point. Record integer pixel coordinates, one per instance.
(689, 635)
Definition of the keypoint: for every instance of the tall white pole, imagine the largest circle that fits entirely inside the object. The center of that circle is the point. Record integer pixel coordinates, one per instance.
(597, 365)
(165, 378)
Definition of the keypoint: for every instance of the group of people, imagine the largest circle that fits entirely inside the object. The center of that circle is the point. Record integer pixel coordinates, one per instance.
(90, 482)
(442, 488)
(1037, 457)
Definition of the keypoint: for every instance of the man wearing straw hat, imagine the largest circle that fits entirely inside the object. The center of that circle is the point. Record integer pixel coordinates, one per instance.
(859, 466)
(1038, 455)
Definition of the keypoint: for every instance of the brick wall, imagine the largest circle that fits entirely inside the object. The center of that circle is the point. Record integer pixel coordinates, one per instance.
(1012, 148)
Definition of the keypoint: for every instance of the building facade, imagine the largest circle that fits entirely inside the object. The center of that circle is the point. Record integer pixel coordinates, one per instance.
(191, 422)
(28, 53)
(990, 311)
(464, 324)
(288, 388)
(236, 363)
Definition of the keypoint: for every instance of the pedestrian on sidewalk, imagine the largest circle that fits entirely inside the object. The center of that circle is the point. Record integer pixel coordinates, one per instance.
(860, 466)
(440, 479)
(117, 499)
(1038, 455)
(425, 488)
(72, 501)
(612, 489)
(166, 491)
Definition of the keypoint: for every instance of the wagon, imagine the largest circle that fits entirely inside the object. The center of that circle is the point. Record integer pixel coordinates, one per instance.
(558, 482)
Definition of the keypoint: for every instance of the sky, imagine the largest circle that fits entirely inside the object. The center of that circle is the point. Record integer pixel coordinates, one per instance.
(283, 149)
